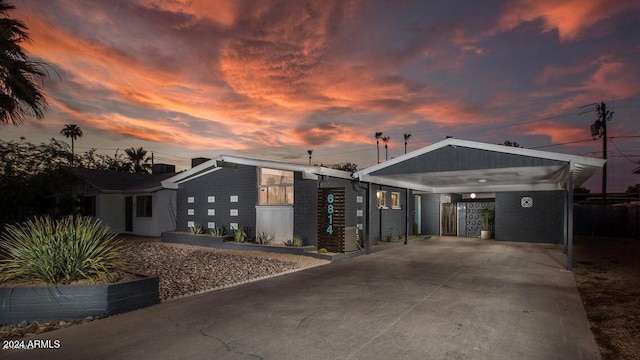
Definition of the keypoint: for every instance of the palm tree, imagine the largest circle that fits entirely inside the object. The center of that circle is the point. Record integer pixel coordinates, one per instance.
(72, 131)
(139, 159)
(378, 135)
(20, 94)
(406, 137)
(385, 140)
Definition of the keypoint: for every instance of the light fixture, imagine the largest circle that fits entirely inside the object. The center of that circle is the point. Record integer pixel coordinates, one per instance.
(472, 195)
(482, 181)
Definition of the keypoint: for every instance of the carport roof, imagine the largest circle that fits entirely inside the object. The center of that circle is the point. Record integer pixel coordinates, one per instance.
(460, 166)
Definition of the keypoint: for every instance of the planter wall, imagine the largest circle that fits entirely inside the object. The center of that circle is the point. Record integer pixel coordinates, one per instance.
(226, 242)
(65, 302)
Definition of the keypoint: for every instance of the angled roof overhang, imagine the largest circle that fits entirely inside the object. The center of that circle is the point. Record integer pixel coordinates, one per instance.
(458, 166)
(222, 161)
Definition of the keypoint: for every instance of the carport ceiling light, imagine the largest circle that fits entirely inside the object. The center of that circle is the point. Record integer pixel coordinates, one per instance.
(482, 181)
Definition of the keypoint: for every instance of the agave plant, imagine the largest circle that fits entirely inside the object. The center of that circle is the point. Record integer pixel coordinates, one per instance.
(60, 252)
(239, 235)
(264, 238)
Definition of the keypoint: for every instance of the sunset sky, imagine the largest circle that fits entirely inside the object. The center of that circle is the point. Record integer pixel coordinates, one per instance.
(272, 79)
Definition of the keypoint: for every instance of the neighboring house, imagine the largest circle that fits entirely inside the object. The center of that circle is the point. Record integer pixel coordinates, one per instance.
(128, 202)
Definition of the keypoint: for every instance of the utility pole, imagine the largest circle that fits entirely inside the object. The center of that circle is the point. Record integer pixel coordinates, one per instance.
(599, 129)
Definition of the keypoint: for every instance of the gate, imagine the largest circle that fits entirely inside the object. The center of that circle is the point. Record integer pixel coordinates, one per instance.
(450, 219)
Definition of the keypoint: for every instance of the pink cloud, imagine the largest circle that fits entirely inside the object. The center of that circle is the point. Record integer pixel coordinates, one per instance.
(559, 133)
(571, 18)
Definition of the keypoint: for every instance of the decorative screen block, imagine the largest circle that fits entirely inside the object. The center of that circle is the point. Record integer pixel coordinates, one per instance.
(233, 212)
(359, 199)
(233, 226)
(358, 212)
(190, 211)
(211, 225)
(211, 199)
(233, 198)
(526, 202)
(360, 226)
(191, 199)
(190, 224)
(211, 212)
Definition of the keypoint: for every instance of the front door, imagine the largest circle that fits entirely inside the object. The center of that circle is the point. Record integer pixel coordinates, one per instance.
(417, 215)
(128, 214)
(450, 219)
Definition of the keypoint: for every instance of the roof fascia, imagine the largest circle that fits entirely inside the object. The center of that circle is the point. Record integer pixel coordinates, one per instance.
(583, 160)
(277, 165)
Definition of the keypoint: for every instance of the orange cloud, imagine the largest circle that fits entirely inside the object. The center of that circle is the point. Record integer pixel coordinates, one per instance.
(569, 17)
(559, 133)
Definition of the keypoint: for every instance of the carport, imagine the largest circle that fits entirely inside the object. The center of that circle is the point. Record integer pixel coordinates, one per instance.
(533, 188)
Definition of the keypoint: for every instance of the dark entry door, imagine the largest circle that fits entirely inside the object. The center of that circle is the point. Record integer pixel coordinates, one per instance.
(449, 219)
(128, 214)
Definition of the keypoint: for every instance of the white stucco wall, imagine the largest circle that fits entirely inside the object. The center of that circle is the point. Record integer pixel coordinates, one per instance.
(110, 209)
(163, 214)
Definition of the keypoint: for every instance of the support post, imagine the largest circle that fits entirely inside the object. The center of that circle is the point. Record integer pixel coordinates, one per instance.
(570, 217)
(406, 217)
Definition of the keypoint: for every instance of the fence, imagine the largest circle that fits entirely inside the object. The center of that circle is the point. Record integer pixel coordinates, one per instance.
(618, 221)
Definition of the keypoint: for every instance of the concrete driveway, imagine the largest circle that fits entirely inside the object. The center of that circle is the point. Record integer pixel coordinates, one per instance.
(442, 298)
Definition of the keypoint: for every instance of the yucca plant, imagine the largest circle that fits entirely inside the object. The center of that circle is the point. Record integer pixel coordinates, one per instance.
(60, 252)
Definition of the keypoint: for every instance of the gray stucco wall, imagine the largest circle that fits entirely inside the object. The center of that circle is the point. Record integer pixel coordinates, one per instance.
(431, 211)
(393, 220)
(542, 223)
(241, 181)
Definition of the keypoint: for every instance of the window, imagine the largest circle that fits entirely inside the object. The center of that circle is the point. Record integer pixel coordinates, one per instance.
(143, 206)
(381, 199)
(275, 187)
(395, 200)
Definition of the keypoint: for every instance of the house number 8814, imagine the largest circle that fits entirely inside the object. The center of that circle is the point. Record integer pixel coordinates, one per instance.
(330, 210)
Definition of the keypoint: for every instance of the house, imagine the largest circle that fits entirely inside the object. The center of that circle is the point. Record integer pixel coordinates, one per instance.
(130, 203)
(270, 197)
(531, 191)
(437, 190)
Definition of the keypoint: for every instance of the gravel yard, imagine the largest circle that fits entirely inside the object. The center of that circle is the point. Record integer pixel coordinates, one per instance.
(607, 272)
(185, 270)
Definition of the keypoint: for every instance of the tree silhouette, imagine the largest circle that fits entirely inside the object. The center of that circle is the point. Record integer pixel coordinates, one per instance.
(20, 94)
(378, 135)
(406, 137)
(385, 140)
(73, 132)
(139, 159)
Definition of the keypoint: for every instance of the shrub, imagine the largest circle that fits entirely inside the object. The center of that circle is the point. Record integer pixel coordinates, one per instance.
(60, 252)
(295, 242)
(239, 235)
(264, 238)
(322, 251)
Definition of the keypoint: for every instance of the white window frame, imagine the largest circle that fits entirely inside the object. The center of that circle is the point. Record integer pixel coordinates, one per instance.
(381, 199)
(395, 204)
(287, 187)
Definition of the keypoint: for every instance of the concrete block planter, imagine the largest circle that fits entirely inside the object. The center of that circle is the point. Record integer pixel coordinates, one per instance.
(73, 302)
